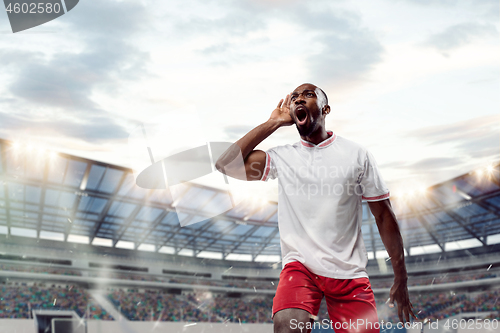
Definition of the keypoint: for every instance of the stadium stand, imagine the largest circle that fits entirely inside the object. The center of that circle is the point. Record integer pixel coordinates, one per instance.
(67, 235)
(17, 301)
(156, 305)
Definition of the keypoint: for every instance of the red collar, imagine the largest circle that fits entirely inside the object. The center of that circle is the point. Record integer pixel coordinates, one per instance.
(325, 143)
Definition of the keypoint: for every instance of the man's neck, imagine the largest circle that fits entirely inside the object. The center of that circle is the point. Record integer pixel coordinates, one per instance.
(317, 136)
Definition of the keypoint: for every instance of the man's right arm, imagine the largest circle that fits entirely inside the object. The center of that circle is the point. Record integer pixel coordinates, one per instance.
(254, 161)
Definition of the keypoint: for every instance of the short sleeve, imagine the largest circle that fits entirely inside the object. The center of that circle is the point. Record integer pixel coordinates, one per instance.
(374, 188)
(270, 170)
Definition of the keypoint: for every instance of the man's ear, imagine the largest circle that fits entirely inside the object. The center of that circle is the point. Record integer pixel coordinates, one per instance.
(326, 109)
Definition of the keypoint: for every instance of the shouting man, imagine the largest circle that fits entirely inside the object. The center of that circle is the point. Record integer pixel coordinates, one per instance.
(322, 181)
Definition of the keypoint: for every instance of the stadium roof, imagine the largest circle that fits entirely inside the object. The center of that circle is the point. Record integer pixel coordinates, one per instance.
(71, 199)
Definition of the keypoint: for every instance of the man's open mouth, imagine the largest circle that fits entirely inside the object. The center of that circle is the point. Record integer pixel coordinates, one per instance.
(301, 114)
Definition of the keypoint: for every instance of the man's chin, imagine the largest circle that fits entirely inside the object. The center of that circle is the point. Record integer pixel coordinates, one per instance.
(303, 130)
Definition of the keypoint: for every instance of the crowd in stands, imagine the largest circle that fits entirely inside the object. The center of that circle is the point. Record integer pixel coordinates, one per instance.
(151, 305)
(439, 306)
(257, 310)
(18, 301)
(156, 305)
(39, 269)
(484, 302)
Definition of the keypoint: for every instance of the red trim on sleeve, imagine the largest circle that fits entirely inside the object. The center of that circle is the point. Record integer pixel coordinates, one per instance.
(267, 167)
(380, 197)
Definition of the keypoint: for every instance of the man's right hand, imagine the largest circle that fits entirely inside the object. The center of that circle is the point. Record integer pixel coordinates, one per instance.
(254, 160)
(282, 113)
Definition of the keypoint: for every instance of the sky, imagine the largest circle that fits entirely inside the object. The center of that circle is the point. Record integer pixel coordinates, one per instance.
(414, 81)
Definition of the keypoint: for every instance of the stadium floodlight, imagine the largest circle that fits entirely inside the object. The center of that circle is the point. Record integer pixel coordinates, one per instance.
(16, 145)
(50, 235)
(490, 168)
(102, 242)
(267, 258)
(239, 257)
(146, 247)
(121, 244)
(78, 239)
(167, 250)
(52, 155)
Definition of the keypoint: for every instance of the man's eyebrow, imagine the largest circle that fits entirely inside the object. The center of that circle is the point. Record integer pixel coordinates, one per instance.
(307, 90)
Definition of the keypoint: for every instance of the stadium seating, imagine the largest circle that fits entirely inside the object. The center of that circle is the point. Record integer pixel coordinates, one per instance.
(17, 301)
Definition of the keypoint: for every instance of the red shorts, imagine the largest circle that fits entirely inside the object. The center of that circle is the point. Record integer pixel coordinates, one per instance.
(350, 302)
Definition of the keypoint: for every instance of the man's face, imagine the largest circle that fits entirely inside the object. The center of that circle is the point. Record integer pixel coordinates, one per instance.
(304, 109)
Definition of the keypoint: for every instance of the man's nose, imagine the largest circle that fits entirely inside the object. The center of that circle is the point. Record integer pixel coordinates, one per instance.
(299, 99)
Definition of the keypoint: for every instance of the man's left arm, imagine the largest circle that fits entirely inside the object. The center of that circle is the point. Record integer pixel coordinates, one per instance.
(391, 237)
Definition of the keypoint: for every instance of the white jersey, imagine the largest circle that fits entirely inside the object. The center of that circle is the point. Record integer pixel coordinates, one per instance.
(319, 203)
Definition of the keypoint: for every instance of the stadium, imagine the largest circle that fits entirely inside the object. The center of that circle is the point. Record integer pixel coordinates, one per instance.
(83, 249)
(106, 226)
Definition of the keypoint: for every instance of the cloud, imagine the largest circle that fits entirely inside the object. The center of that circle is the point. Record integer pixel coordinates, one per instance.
(434, 163)
(448, 3)
(463, 132)
(237, 19)
(344, 61)
(470, 140)
(431, 169)
(460, 34)
(54, 93)
(15, 58)
(235, 132)
(432, 2)
(347, 51)
(115, 20)
(336, 48)
(216, 49)
(486, 145)
(487, 10)
(91, 129)
(67, 79)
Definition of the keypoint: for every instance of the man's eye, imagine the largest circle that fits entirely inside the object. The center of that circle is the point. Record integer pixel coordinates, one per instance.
(294, 98)
(309, 95)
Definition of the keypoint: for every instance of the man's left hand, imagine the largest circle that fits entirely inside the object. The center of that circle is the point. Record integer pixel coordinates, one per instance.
(399, 294)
